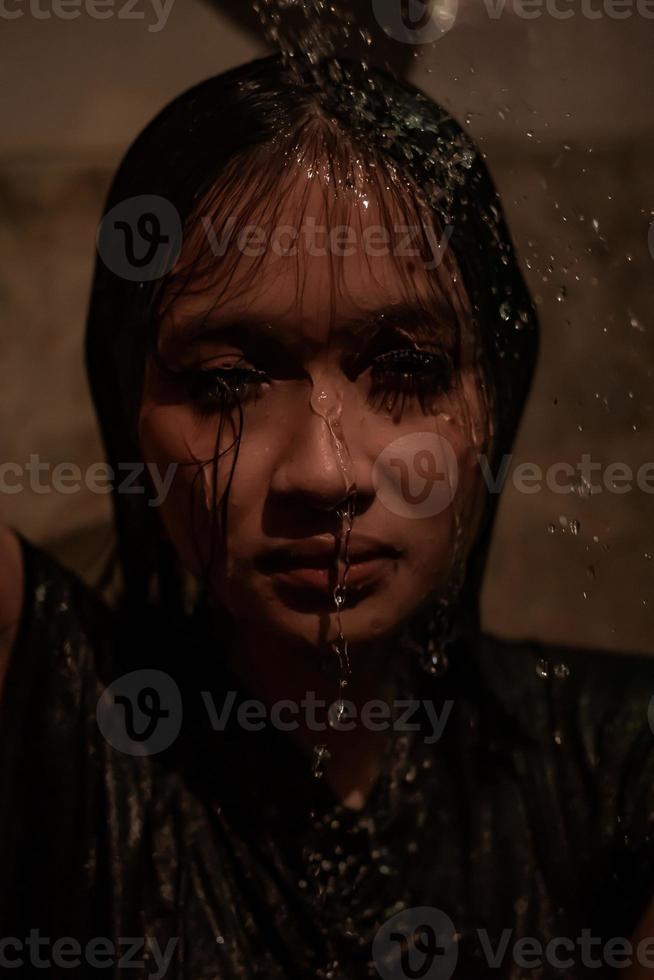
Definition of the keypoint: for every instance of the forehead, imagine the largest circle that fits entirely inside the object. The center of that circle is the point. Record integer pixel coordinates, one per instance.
(325, 254)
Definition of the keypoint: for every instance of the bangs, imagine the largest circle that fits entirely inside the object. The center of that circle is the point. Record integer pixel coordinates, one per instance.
(256, 217)
(226, 156)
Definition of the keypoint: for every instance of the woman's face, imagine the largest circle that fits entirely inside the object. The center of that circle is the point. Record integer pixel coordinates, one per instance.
(322, 346)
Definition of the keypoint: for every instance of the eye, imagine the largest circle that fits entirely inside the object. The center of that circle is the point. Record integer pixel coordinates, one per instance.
(220, 389)
(410, 373)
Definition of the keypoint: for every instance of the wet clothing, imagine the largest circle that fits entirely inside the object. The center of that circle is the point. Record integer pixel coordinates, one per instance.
(220, 855)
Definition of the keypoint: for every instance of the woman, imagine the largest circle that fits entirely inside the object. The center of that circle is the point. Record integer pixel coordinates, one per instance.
(289, 751)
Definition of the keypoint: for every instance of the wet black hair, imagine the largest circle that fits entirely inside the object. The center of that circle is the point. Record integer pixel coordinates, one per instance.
(182, 155)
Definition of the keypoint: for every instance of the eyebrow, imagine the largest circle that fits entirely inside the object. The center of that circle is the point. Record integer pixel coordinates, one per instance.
(421, 323)
(434, 322)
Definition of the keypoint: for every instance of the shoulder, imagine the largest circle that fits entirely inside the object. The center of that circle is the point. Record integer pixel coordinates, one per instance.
(11, 593)
(597, 680)
(597, 704)
(599, 687)
(57, 621)
(601, 682)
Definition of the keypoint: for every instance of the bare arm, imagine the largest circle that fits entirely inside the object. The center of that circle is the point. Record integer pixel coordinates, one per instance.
(11, 595)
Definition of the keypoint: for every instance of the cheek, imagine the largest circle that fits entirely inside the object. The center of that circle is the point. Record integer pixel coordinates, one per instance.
(425, 466)
(167, 438)
(425, 473)
(173, 434)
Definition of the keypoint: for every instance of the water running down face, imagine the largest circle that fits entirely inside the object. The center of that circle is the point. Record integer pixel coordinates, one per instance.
(347, 371)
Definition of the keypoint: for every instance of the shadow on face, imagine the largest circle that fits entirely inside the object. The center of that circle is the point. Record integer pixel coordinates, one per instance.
(313, 339)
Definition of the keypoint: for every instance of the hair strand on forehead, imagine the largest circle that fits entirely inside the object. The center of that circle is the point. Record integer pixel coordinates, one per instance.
(244, 150)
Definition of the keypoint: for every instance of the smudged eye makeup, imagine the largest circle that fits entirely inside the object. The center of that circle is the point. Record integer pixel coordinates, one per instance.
(212, 390)
(410, 373)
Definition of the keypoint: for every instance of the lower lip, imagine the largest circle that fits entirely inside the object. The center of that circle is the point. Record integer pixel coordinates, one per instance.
(359, 574)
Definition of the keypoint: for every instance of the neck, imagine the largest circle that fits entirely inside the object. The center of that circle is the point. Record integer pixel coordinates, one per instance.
(274, 671)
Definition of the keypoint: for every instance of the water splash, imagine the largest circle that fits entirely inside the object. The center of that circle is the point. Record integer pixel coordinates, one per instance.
(304, 29)
(340, 644)
(330, 409)
(321, 755)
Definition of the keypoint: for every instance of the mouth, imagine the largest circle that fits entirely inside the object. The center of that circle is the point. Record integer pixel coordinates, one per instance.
(324, 579)
(306, 571)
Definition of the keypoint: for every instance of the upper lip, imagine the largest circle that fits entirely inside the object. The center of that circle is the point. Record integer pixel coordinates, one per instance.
(321, 552)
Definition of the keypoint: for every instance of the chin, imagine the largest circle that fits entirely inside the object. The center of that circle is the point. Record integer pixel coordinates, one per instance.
(308, 617)
(369, 621)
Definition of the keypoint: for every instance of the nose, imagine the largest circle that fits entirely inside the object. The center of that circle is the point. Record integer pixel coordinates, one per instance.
(314, 472)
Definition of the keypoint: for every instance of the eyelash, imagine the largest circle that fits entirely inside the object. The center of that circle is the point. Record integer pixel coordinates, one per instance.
(219, 389)
(400, 373)
(408, 374)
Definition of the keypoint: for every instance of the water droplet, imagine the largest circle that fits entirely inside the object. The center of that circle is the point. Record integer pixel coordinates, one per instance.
(570, 524)
(582, 486)
(435, 662)
(321, 755)
(336, 713)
